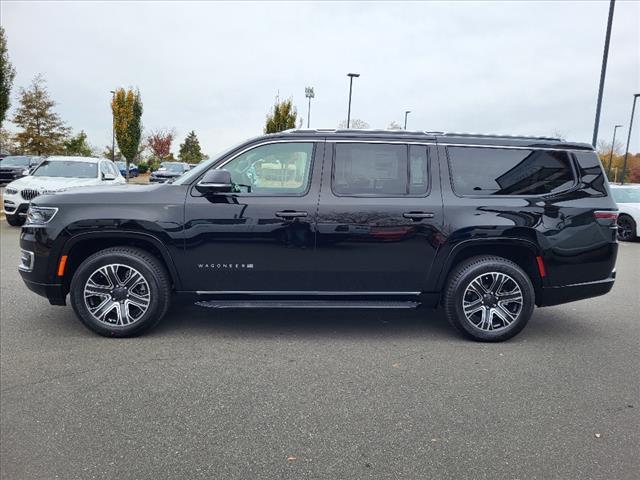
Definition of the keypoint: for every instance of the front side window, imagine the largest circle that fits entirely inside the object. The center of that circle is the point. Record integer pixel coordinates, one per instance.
(64, 168)
(383, 170)
(273, 169)
(504, 171)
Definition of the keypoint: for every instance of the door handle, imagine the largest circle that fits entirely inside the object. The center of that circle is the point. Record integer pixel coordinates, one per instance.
(291, 214)
(417, 215)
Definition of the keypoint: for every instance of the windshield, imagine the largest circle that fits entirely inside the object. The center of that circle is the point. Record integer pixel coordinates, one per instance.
(64, 168)
(626, 195)
(15, 161)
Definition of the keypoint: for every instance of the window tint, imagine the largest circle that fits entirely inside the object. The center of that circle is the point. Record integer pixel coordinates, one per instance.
(380, 170)
(274, 169)
(502, 171)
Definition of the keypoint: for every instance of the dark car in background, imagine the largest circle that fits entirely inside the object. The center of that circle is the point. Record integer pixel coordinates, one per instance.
(169, 171)
(13, 167)
(133, 169)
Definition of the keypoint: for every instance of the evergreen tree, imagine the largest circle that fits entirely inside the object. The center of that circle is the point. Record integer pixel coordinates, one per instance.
(283, 117)
(77, 146)
(190, 150)
(43, 132)
(7, 74)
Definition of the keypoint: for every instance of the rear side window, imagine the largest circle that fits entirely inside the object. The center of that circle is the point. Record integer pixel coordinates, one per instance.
(382, 170)
(505, 171)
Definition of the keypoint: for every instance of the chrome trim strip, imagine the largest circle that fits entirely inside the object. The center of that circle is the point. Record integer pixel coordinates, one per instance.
(270, 292)
(463, 145)
(400, 142)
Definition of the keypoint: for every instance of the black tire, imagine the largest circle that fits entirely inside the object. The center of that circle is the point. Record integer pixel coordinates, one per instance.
(157, 286)
(484, 269)
(15, 220)
(626, 228)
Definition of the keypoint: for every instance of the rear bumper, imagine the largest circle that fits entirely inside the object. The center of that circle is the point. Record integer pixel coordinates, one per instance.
(579, 291)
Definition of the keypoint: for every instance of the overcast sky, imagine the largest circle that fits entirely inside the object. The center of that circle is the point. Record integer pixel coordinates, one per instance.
(216, 68)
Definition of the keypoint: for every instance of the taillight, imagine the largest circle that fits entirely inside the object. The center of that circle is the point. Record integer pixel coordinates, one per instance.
(606, 215)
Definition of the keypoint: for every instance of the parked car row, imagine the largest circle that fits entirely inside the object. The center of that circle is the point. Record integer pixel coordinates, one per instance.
(53, 175)
(169, 171)
(17, 166)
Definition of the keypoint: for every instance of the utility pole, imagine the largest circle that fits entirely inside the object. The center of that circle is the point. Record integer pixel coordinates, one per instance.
(406, 113)
(351, 77)
(613, 145)
(113, 130)
(308, 92)
(603, 72)
(626, 152)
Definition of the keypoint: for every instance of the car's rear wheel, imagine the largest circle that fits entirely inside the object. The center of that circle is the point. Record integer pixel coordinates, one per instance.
(626, 228)
(15, 220)
(120, 291)
(489, 298)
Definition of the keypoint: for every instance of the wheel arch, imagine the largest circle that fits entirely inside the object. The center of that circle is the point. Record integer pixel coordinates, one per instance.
(520, 251)
(81, 246)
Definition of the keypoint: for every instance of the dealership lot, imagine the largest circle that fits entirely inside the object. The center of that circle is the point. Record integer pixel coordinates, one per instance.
(319, 394)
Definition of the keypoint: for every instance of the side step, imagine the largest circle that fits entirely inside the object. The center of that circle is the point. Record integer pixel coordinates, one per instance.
(306, 304)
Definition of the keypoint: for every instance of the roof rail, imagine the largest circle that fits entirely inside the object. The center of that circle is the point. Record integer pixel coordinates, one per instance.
(514, 137)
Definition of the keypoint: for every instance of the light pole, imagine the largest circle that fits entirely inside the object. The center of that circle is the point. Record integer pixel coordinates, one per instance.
(626, 152)
(351, 77)
(613, 145)
(308, 92)
(603, 72)
(113, 130)
(406, 113)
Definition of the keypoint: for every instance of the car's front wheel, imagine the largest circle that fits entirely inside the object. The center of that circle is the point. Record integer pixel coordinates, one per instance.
(120, 291)
(626, 228)
(489, 298)
(15, 220)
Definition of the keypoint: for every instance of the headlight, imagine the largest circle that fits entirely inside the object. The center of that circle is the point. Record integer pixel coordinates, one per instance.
(10, 191)
(40, 215)
(25, 172)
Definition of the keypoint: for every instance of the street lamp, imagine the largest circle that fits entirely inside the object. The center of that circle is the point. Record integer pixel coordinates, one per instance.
(406, 113)
(351, 77)
(308, 92)
(603, 72)
(613, 144)
(626, 152)
(113, 130)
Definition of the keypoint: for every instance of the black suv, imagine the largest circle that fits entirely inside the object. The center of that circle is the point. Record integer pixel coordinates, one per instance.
(486, 226)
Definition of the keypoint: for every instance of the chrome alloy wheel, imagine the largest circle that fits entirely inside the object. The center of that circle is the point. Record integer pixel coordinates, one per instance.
(492, 301)
(117, 295)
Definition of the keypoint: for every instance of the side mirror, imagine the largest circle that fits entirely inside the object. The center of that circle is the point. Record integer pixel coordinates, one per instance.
(215, 181)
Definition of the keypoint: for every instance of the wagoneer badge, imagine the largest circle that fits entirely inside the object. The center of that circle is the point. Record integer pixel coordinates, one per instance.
(226, 266)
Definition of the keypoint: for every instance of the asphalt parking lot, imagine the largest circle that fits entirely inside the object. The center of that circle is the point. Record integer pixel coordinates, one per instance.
(320, 394)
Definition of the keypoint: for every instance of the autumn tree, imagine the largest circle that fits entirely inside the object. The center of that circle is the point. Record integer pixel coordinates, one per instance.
(159, 142)
(43, 131)
(354, 123)
(126, 106)
(283, 117)
(7, 74)
(190, 150)
(77, 146)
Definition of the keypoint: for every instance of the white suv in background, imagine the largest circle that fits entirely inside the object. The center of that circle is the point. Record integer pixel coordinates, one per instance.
(56, 174)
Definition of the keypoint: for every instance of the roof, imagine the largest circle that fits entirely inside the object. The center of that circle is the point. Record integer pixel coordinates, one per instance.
(440, 137)
(61, 158)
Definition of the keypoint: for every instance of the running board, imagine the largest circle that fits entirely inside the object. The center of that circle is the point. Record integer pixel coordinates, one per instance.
(305, 304)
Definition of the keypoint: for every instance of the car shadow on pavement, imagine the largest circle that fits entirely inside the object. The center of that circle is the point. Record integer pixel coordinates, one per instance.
(305, 322)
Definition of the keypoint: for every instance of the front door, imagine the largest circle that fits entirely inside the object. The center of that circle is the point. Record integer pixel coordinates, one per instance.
(380, 217)
(260, 239)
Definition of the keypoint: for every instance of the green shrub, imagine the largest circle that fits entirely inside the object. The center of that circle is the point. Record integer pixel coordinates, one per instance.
(143, 167)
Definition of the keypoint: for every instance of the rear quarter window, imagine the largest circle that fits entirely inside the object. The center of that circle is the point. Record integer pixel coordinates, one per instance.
(508, 171)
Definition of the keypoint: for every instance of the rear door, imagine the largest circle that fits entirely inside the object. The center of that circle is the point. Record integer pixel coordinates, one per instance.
(380, 216)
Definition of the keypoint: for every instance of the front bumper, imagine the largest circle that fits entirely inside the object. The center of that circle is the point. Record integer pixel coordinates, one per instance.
(12, 207)
(579, 291)
(54, 292)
